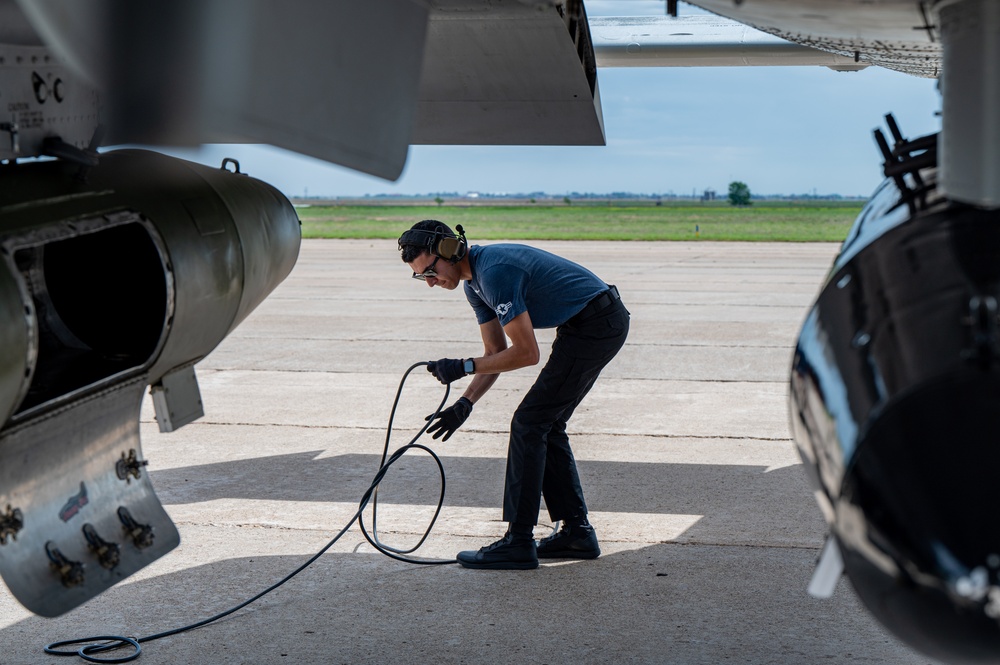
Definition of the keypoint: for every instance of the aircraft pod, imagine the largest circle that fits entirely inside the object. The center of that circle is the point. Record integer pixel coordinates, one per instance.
(113, 277)
(895, 389)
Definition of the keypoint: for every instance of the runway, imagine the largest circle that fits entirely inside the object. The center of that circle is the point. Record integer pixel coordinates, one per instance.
(708, 527)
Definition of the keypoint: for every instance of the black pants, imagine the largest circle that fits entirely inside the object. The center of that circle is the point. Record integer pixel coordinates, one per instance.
(539, 459)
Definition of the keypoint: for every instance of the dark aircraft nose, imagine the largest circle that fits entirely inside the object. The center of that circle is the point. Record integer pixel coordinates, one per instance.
(917, 518)
(895, 404)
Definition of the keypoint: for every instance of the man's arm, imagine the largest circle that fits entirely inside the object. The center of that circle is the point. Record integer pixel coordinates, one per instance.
(498, 357)
(522, 352)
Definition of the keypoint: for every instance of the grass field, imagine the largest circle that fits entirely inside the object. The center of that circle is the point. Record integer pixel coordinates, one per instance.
(781, 222)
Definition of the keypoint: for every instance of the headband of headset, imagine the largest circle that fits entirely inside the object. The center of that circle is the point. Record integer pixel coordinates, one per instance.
(438, 242)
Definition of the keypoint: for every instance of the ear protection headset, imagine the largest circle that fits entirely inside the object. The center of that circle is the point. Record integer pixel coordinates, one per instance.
(438, 242)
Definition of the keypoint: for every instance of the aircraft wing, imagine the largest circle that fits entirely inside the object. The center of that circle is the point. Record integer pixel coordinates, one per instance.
(333, 80)
(356, 83)
(896, 34)
(701, 41)
(353, 83)
(508, 73)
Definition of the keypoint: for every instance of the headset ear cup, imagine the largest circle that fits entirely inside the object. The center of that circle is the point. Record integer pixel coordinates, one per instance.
(449, 249)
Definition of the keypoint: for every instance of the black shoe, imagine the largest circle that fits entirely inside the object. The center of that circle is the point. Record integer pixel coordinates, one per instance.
(576, 542)
(505, 554)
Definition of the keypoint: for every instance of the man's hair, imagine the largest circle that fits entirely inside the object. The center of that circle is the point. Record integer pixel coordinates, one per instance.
(409, 251)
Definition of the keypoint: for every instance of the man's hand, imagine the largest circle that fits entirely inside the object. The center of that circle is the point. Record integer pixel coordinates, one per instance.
(449, 420)
(447, 370)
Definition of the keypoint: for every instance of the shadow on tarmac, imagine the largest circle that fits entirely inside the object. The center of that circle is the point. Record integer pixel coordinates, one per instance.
(650, 605)
(718, 493)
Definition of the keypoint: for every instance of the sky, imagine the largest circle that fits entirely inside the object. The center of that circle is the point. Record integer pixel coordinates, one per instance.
(669, 130)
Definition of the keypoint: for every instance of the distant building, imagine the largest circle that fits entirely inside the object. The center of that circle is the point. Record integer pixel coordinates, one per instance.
(708, 195)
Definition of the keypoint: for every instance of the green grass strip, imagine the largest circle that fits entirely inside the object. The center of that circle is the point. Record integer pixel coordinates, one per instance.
(784, 223)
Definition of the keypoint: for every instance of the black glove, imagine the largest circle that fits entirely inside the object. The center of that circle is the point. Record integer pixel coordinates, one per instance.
(447, 370)
(450, 419)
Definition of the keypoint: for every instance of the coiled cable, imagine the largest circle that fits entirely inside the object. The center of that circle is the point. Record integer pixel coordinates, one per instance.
(100, 644)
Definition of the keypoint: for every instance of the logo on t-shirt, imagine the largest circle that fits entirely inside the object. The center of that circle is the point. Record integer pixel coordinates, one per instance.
(503, 309)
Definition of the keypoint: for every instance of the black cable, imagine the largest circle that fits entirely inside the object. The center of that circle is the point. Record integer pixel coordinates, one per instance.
(112, 642)
(372, 538)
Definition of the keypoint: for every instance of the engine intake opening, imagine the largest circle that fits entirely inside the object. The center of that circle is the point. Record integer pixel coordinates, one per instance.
(101, 302)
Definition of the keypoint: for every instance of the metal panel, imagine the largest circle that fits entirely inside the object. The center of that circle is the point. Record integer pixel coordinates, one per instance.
(895, 34)
(699, 41)
(67, 469)
(177, 399)
(14, 26)
(970, 87)
(16, 335)
(268, 229)
(333, 80)
(506, 73)
(42, 98)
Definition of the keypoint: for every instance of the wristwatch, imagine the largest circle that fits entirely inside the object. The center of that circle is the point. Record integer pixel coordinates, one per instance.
(469, 366)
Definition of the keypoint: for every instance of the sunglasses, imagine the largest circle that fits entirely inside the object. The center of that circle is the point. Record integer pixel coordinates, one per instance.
(428, 271)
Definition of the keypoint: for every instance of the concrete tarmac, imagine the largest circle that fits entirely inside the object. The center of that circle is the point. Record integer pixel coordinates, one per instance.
(708, 528)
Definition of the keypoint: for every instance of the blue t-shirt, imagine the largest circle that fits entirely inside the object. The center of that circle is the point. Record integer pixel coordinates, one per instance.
(508, 279)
